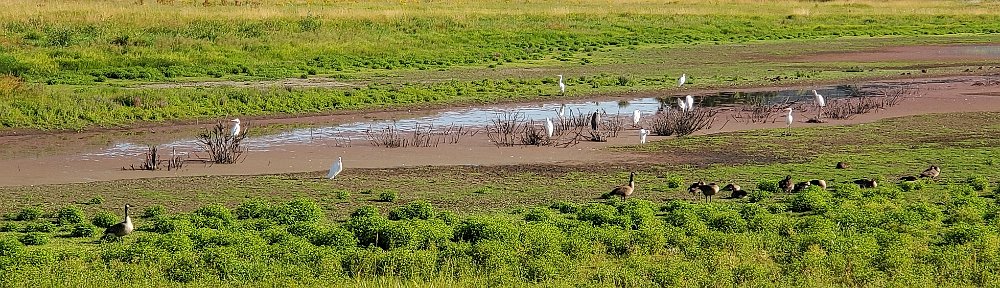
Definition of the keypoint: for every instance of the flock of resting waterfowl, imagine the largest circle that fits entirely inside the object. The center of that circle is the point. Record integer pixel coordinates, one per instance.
(786, 185)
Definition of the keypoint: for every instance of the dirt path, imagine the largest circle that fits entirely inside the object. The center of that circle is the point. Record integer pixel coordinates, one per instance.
(54, 158)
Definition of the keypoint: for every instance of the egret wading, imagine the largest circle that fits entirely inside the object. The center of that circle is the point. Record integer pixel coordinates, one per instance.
(236, 127)
(690, 102)
(820, 102)
(788, 121)
(635, 118)
(336, 168)
(548, 127)
(562, 86)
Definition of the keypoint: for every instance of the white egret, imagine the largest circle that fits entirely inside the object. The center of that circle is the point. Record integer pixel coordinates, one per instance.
(642, 135)
(820, 102)
(788, 120)
(635, 118)
(562, 111)
(690, 102)
(681, 104)
(682, 80)
(236, 127)
(548, 127)
(336, 168)
(121, 229)
(562, 86)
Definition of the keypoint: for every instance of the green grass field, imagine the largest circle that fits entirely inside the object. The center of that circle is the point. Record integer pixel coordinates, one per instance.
(544, 225)
(75, 65)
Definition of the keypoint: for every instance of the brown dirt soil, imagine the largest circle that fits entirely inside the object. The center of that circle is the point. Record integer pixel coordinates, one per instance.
(54, 158)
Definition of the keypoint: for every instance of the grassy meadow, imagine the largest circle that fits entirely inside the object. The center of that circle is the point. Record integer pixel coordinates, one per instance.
(546, 225)
(79, 64)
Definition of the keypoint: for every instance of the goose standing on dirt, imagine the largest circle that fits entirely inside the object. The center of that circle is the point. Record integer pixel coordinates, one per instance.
(932, 172)
(595, 119)
(820, 102)
(635, 118)
(548, 127)
(709, 190)
(689, 102)
(682, 80)
(562, 86)
(236, 127)
(694, 187)
(786, 184)
(121, 229)
(336, 168)
(625, 190)
(788, 121)
(642, 135)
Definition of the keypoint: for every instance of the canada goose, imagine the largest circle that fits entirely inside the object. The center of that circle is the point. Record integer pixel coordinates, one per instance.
(818, 182)
(120, 229)
(786, 184)
(694, 187)
(709, 190)
(595, 119)
(800, 186)
(736, 192)
(932, 172)
(866, 183)
(908, 178)
(236, 127)
(625, 190)
(336, 168)
(842, 165)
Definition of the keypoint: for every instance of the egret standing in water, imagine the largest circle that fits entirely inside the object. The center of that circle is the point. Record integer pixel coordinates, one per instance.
(635, 118)
(548, 127)
(642, 135)
(336, 168)
(690, 102)
(236, 127)
(562, 86)
(788, 121)
(820, 102)
(682, 80)
(562, 111)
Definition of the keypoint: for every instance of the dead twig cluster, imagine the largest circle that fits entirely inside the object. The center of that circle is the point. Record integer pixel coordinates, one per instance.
(428, 136)
(222, 146)
(682, 123)
(153, 161)
(868, 101)
(756, 109)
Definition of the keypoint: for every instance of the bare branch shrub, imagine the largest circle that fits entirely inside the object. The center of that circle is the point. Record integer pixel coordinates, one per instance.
(152, 160)
(223, 147)
(682, 123)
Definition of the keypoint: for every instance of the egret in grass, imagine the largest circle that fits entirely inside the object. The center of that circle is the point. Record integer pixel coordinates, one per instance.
(236, 127)
(690, 102)
(642, 135)
(562, 86)
(548, 127)
(635, 118)
(682, 80)
(788, 121)
(336, 168)
(820, 102)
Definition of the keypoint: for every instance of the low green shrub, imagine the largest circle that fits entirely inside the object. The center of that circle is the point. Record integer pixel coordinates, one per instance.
(812, 199)
(420, 209)
(154, 211)
(39, 227)
(387, 196)
(29, 214)
(70, 215)
(769, 186)
(9, 227)
(104, 219)
(34, 238)
(979, 183)
(83, 230)
(675, 182)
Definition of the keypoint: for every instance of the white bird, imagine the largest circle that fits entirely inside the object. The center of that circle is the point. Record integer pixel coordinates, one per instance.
(336, 168)
(642, 135)
(681, 104)
(788, 120)
(548, 127)
(819, 99)
(562, 111)
(682, 80)
(635, 118)
(690, 102)
(562, 87)
(236, 127)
